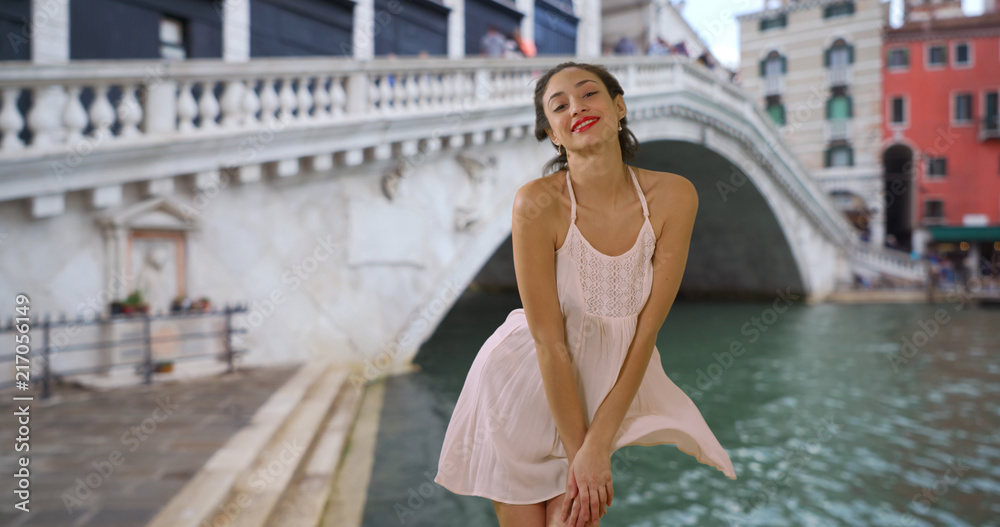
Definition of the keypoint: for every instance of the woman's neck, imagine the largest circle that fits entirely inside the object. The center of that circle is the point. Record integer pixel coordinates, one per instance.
(606, 182)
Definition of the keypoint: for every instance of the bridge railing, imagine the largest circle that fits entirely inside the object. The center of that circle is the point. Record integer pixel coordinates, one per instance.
(46, 107)
(890, 261)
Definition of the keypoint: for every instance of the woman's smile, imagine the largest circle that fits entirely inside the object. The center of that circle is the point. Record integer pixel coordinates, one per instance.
(588, 125)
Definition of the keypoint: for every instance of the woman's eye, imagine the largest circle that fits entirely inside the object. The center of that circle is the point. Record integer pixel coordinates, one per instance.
(556, 109)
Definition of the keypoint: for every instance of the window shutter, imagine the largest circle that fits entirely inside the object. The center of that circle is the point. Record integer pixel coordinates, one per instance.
(828, 107)
(784, 65)
(850, 54)
(850, 157)
(762, 71)
(850, 106)
(826, 57)
(826, 158)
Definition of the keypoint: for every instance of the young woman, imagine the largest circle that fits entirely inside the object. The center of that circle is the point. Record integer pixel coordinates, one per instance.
(599, 251)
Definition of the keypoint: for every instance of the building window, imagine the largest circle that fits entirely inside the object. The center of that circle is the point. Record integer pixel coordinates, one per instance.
(937, 167)
(963, 54)
(839, 156)
(899, 59)
(898, 110)
(172, 44)
(771, 70)
(991, 117)
(774, 65)
(963, 108)
(934, 210)
(775, 109)
(937, 55)
(773, 22)
(844, 9)
(839, 107)
(839, 55)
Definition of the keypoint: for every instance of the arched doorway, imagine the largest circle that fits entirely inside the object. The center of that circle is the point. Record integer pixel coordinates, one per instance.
(897, 161)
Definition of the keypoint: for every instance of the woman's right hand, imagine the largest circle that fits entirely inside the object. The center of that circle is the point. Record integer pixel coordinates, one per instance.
(588, 496)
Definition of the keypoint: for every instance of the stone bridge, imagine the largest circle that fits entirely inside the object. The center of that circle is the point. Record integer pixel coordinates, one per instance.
(350, 203)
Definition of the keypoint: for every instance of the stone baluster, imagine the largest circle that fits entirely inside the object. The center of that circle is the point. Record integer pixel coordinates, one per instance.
(286, 97)
(304, 99)
(447, 90)
(338, 97)
(45, 117)
(208, 106)
(322, 98)
(74, 116)
(251, 103)
(232, 104)
(102, 114)
(268, 102)
(11, 121)
(385, 94)
(435, 90)
(373, 94)
(129, 112)
(187, 108)
(414, 99)
(399, 93)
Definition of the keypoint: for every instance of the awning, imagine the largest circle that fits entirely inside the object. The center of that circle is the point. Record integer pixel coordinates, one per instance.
(965, 234)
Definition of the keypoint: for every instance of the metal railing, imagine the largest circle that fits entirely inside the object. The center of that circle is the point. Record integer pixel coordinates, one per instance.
(47, 326)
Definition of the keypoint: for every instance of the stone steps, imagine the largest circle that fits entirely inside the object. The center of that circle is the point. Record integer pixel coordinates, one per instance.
(306, 497)
(244, 483)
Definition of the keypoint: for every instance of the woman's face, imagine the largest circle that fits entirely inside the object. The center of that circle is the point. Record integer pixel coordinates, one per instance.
(574, 96)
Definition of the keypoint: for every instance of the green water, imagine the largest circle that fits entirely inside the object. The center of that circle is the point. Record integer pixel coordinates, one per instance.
(823, 425)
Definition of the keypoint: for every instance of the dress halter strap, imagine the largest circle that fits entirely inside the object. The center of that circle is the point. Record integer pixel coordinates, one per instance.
(572, 197)
(638, 189)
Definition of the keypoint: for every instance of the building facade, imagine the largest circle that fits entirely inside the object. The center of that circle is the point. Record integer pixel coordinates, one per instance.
(941, 145)
(816, 68)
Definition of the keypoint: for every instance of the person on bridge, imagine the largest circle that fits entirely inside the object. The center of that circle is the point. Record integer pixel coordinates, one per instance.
(575, 374)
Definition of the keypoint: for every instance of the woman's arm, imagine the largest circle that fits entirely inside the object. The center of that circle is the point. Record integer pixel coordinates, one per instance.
(535, 206)
(669, 261)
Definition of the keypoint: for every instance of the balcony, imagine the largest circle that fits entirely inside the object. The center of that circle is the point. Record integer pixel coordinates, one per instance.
(772, 85)
(989, 128)
(838, 130)
(838, 76)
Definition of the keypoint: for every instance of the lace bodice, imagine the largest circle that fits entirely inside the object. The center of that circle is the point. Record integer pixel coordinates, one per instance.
(612, 286)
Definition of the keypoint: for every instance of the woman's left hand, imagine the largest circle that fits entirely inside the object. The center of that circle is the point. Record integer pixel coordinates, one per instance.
(588, 487)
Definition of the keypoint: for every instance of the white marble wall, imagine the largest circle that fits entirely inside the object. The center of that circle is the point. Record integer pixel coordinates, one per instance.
(327, 263)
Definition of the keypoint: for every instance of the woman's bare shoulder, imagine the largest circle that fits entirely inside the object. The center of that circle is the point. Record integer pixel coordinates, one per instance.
(540, 196)
(667, 192)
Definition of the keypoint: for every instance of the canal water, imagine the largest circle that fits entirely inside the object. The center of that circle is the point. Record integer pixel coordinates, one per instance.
(853, 415)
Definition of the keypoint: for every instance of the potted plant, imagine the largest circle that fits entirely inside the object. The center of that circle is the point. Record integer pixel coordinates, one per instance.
(135, 303)
(181, 303)
(201, 304)
(117, 307)
(163, 366)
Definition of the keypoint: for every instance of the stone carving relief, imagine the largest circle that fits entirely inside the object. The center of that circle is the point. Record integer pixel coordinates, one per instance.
(146, 243)
(474, 200)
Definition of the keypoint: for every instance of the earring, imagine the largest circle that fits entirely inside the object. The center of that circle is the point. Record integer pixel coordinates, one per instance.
(619, 126)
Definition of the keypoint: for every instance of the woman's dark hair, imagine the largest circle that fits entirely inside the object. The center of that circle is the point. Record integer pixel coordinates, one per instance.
(626, 139)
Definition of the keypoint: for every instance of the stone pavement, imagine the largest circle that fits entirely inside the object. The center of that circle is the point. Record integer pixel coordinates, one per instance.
(115, 458)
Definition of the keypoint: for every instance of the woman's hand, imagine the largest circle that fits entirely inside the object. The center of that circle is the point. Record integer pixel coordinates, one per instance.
(588, 486)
